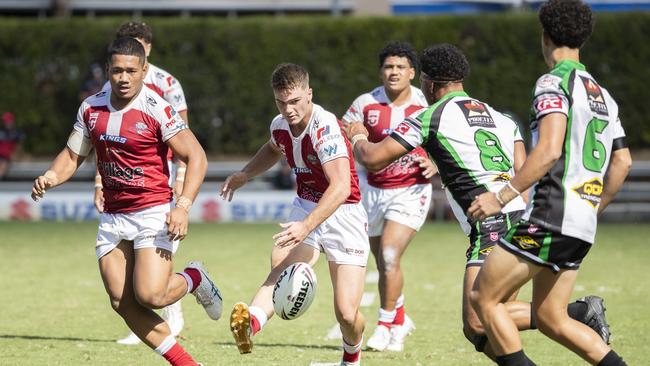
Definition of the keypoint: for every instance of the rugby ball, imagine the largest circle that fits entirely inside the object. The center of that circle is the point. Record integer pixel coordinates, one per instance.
(294, 291)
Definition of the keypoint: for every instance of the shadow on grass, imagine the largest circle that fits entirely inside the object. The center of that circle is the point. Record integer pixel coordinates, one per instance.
(287, 345)
(35, 337)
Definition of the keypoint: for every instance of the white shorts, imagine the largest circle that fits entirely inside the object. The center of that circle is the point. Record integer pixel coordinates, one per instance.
(406, 205)
(146, 228)
(343, 236)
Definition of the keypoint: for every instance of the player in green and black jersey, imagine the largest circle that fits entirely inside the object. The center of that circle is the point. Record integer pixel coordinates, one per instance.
(578, 164)
(476, 148)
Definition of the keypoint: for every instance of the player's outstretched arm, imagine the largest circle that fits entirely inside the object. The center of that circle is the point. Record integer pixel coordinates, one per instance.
(548, 150)
(619, 166)
(266, 157)
(337, 172)
(373, 156)
(62, 168)
(187, 148)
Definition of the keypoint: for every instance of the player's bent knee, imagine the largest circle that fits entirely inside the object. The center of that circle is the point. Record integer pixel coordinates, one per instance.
(390, 259)
(475, 300)
(150, 299)
(346, 318)
(476, 336)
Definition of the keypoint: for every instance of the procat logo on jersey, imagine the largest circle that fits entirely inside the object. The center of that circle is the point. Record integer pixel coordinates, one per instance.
(112, 138)
(323, 131)
(476, 113)
(595, 96)
(590, 191)
(169, 111)
(373, 117)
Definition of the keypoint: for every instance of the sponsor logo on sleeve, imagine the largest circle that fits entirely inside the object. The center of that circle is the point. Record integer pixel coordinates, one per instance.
(169, 111)
(323, 131)
(476, 113)
(403, 128)
(331, 150)
(170, 81)
(590, 191)
(373, 117)
(159, 75)
(595, 96)
(552, 102)
(547, 82)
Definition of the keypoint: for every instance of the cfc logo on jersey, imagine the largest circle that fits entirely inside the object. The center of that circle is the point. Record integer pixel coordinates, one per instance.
(549, 103)
(590, 191)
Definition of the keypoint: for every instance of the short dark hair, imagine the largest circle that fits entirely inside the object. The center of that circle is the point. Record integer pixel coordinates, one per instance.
(135, 30)
(126, 46)
(399, 49)
(444, 62)
(568, 23)
(288, 76)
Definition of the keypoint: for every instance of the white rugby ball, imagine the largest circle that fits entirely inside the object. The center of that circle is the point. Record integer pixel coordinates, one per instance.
(294, 291)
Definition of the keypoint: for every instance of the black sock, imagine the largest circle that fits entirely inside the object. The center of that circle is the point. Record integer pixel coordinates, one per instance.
(533, 323)
(577, 310)
(612, 359)
(514, 359)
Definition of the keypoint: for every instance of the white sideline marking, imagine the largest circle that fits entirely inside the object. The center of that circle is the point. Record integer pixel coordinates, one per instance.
(334, 333)
(323, 364)
(372, 277)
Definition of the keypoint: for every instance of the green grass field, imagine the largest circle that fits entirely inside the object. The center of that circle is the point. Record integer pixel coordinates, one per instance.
(54, 310)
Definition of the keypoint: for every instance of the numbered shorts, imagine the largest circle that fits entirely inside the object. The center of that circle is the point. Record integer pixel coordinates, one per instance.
(541, 246)
(484, 235)
(146, 228)
(406, 205)
(342, 237)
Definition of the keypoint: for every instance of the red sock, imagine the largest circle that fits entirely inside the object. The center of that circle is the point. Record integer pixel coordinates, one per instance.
(385, 324)
(399, 316)
(255, 325)
(176, 356)
(195, 275)
(351, 357)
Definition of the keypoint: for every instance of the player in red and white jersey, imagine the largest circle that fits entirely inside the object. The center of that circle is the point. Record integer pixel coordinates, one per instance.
(326, 215)
(131, 129)
(170, 89)
(397, 198)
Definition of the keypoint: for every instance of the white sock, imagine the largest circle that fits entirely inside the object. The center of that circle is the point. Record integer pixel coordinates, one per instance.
(259, 314)
(387, 316)
(166, 345)
(400, 301)
(352, 349)
(188, 279)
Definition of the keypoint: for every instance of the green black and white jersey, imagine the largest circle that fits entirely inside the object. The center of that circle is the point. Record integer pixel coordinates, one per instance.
(472, 145)
(566, 199)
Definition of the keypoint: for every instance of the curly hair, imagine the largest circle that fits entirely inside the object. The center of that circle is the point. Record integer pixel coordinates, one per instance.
(289, 76)
(399, 49)
(568, 23)
(135, 30)
(444, 62)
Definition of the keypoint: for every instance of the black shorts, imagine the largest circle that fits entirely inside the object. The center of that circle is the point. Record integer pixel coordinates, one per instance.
(485, 234)
(541, 246)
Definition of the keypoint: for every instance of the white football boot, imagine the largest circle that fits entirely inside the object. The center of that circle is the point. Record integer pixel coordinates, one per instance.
(380, 339)
(398, 334)
(173, 315)
(207, 294)
(129, 340)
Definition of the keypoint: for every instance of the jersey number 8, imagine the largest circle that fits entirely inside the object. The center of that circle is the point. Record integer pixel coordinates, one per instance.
(492, 155)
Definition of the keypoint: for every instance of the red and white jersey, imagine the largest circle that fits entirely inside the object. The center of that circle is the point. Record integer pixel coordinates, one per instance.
(320, 142)
(165, 85)
(380, 118)
(130, 148)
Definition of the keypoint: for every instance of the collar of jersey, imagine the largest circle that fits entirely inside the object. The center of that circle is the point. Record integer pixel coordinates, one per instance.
(570, 64)
(453, 94)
